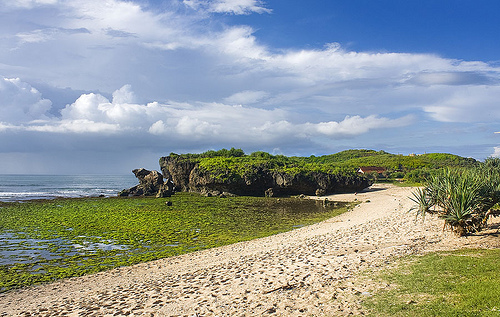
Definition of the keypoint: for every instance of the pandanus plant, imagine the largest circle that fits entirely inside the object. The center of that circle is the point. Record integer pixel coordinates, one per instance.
(464, 198)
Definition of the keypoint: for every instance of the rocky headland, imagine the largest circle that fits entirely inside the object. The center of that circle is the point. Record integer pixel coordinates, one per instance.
(255, 179)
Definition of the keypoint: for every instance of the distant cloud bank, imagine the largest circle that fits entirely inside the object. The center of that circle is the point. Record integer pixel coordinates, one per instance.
(94, 113)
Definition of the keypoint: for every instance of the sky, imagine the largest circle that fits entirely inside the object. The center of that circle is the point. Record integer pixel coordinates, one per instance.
(104, 87)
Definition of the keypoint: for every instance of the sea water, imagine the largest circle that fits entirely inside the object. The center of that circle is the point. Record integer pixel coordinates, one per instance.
(26, 187)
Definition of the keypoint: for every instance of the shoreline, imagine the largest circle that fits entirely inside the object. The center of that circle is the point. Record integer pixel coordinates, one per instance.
(301, 272)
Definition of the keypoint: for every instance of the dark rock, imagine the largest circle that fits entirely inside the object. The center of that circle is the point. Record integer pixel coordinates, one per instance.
(165, 190)
(149, 181)
(178, 170)
(150, 184)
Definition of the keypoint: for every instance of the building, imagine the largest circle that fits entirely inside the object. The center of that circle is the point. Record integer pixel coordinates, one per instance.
(371, 169)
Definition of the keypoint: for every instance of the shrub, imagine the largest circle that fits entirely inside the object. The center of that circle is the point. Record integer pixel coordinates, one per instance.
(462, 197)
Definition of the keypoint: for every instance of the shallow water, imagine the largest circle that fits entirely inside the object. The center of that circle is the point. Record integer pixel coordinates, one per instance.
(17, 248)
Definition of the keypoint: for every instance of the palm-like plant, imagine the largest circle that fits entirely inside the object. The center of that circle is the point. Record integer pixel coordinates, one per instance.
(423, 201)
(464, 198)
(462, 202)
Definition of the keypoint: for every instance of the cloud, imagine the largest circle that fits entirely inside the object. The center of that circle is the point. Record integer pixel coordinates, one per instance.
(26, 4)
(357, 125)
(73, 126)
(467, 104)
(47, 34)
(197, 81)
(237, 7)
(496, 152)
(118, 33)
(240, 44)
(189, 56)
(124, 95)
(246, 97)
(194, 127)
(94, 113)
(20, 102)
(88, 107)
(450, 78)
(5, 127)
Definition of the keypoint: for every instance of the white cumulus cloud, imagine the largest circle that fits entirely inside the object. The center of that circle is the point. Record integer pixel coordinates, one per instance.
(20, 102)
(94, 113)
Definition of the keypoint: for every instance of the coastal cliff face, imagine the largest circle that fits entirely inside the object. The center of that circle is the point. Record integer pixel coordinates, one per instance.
(188, 175)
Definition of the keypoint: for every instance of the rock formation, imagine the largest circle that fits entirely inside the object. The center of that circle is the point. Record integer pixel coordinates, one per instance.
(150, 184)
(187, 175)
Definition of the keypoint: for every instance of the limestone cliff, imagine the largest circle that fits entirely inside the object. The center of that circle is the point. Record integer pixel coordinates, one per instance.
(187, 174)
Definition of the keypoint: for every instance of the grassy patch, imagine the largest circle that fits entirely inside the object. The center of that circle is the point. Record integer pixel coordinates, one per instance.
(45, 240)
(459, 283)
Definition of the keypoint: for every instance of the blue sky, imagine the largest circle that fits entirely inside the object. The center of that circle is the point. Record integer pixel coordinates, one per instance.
(105, 87)
(451, 28)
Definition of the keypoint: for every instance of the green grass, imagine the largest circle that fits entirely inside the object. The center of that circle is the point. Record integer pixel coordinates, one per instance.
(140, 229)
(459, 283)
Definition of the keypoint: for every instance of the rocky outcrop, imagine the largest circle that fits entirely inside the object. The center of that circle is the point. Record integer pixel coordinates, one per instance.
(178, 171)
(187, 175)
(150, 184)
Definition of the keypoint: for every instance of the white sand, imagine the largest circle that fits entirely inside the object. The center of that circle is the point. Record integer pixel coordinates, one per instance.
(311, 271)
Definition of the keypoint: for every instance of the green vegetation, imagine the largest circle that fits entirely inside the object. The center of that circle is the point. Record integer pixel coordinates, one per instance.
(464, 198)
(459, 283)
(235, 164)
(45, 240)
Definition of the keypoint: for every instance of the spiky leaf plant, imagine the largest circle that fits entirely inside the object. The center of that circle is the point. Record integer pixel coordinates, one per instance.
(462, 197)
(461, 204)
(423, 201)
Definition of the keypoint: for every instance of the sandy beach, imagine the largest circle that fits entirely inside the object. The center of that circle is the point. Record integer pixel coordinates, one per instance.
(311, 271)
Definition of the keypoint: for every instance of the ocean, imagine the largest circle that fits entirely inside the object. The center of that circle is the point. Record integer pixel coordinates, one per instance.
(26, 187)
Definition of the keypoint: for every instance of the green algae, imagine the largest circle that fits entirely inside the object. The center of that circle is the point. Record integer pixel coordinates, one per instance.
(41, 241)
